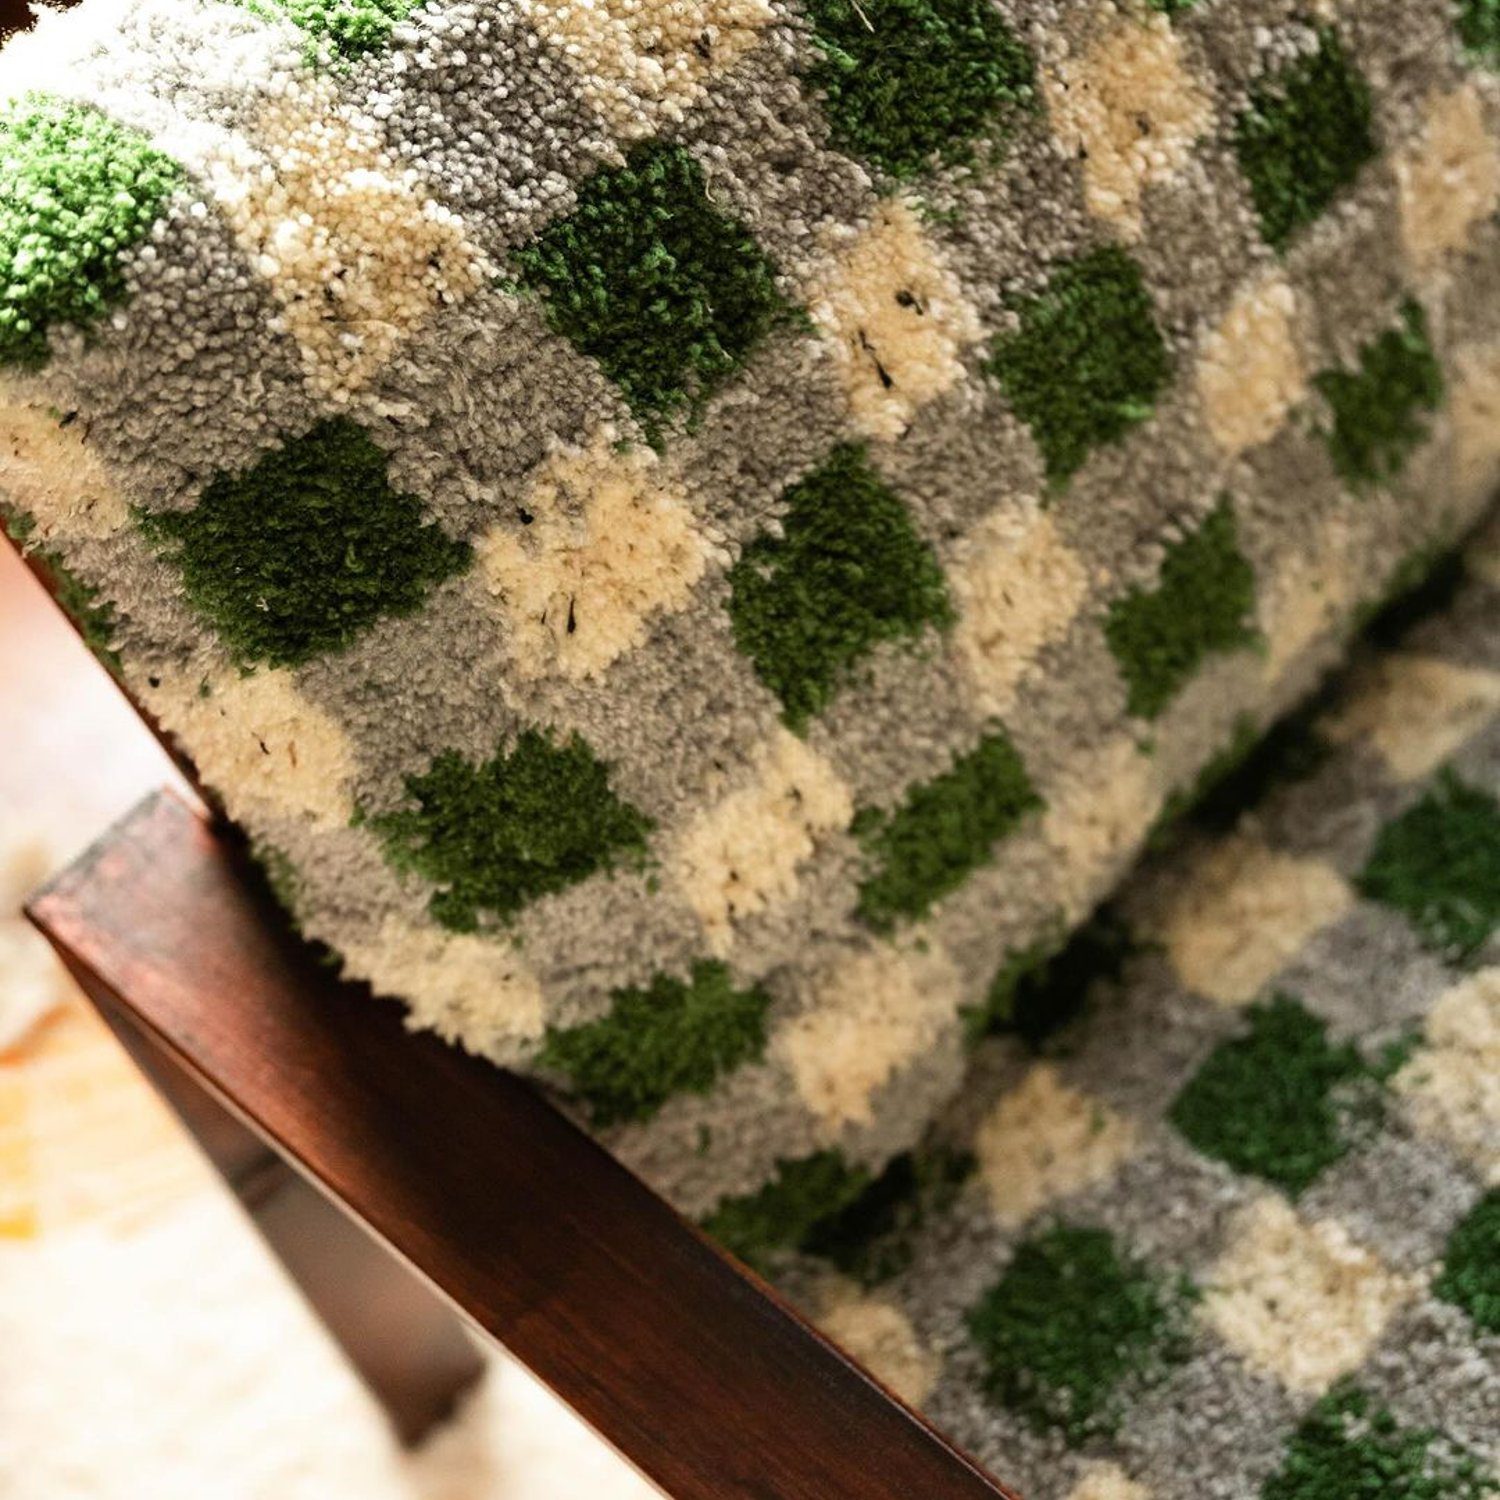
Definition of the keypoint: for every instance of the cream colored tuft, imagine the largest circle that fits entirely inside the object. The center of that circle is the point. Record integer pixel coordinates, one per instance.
(869, 1016)
(1043, 1141)
(1240, 911)
(1308, 591)
(1300, 1301)
(1018, 587)
(1130, 108)
(1416, 711)
(1474, 407)
(1108, 1481)
(460, 984)
(880, 1336)
(641, 63)
(259, 742)
(1449, 181)
(897, 320)
(742, 855)
(1095, 818)
(1249, 372)
(1451, 1084)
(353, 248)
(611, 542)
(50, 473)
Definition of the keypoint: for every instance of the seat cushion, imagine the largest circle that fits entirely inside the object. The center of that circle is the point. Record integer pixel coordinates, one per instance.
(698, 539)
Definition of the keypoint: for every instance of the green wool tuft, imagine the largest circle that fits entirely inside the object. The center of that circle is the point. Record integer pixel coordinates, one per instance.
(299, 554)
(909, 83)
(1087, 362)
(1380, 410)
(942, 830)
(1439, 864)
(1470, 1277)
(1305, 136)
(533, 820)
(1072, 1326)
(1479, 28)
(76, 192)
(350, 27)
(783, 1213)
(1349, 1448)
(81, 602)
(847, 571)
(649, 278)
(1202, 604)
(673, 1037)
(873, 1238)
(1279, 1101)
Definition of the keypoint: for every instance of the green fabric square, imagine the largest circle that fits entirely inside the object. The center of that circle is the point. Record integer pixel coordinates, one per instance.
(1380, 409)
(1439, 864)
(942, 830)
(1088, 361)
(786, 1210)
(1201, 605)
(1279, 1101)
(1074, 1328)
(1470, 1277)
(530, 821)
(1304, 137)
(1349, 1447)
(673, 1037)
(76, 192)
(350, 28)
(649, 278)
(1479, 28)
(846, 571)
(909, 83)
(296, 556)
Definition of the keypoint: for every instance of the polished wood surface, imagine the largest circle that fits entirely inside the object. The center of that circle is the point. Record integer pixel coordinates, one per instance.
(689, 1365)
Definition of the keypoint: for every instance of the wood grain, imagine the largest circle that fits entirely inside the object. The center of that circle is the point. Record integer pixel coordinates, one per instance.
(685, 1362)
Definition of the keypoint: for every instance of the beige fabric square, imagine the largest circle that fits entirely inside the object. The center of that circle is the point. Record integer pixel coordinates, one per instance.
(611, 542)
(880, 1336)
(48, 471)
(353, 248)
(1018, 587)
(1096, 815)
(867, 1017)
(1451, 1084)
(1239, 911)
(1474, 411)
(459, 984)
(1107, 1481)
(1449, 181)
(1132, 110)
(641, 63)
(1415, 710)
(259, 741)
(1308, 590)
(1249, 370)
(742, 855)
(1043, 1141)
(1300, 1301)
(897, 320)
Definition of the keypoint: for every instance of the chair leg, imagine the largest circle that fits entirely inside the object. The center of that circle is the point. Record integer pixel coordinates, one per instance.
(410, 1348)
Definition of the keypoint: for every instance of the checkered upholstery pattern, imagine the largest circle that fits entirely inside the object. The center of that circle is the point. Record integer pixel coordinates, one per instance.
(696, 536)
(1217, 1212)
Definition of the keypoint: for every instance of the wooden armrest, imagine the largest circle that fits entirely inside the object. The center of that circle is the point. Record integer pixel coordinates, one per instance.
(689, 1365)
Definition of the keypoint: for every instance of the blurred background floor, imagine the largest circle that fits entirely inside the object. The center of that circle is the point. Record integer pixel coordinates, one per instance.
(148, 1344)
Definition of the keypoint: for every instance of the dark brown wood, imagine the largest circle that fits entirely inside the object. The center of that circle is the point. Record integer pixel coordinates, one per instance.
(415, 1354)
(17, 15)
(689, 1365)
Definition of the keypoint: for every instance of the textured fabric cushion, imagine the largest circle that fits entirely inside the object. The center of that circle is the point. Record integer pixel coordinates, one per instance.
(699, 537)
(1218, 1214)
